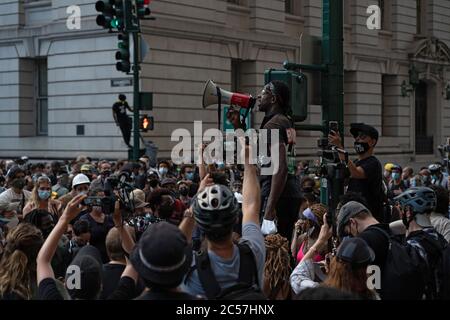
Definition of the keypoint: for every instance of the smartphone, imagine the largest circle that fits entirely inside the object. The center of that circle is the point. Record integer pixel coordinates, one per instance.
(92, 201)
(333, 126)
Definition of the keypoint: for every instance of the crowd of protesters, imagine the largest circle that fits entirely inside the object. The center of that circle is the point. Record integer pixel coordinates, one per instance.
(185, 215)
(148, 230)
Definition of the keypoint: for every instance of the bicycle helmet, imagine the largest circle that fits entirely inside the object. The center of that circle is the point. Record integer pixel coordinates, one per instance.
(215, 209)
(420, 199)
(435, 167)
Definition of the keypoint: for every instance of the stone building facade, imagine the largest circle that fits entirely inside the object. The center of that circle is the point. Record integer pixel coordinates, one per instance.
(56, 90)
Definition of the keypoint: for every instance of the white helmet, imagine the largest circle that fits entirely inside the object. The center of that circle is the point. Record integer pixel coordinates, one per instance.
(80, 179)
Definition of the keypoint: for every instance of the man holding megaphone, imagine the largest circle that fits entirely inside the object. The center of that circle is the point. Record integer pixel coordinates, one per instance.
(281, 191)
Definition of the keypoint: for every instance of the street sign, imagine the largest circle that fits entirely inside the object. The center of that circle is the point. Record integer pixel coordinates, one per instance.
(121, 82)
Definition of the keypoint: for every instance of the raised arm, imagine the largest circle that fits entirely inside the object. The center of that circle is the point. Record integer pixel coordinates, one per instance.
(45, 256)
(251, 192)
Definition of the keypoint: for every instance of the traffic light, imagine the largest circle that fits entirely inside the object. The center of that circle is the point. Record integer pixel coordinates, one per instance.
(123, 54)
(146, 123)
(142, 9)
(298, 87)
(107, 9)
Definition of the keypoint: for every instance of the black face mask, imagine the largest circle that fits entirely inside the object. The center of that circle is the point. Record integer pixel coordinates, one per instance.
(18, 183)
(184, 191)
(308, 189)
(361, 147)
(106, 174)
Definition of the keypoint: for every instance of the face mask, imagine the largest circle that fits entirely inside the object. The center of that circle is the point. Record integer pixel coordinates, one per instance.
(19, 183)
(395, 175)
(413, 183)
(82, 193)
(44, 195)
(184, 191)
(308, 189)
(361, 147)
(106, 173)
(190, 176)
(221, 165)
(163, 171)
(434, 177)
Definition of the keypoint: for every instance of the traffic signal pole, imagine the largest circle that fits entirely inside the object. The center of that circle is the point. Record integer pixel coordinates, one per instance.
(136, 99)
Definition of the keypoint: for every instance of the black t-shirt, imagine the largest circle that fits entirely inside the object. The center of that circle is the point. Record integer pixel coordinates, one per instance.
(110, 278)
(99, 231)
(370, 187)
(120, 110)
(48, 290)
(281, 123)
(378, 241)
(395, 189)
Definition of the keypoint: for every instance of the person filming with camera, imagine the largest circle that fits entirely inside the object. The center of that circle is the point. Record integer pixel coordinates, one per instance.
(366, 171)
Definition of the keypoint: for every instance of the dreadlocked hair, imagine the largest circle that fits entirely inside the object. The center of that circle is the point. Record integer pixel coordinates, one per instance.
(277, 268)
(18, 263)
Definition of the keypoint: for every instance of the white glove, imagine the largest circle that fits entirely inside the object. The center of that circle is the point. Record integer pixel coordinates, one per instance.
(268, 227)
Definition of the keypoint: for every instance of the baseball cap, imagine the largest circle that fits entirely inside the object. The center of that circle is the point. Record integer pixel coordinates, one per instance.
(355, 251)
(89, 262)
(355, 128)
(86, 167)
(347, 211)
(162, 256)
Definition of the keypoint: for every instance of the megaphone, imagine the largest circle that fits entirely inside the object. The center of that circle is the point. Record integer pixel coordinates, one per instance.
(213, 93)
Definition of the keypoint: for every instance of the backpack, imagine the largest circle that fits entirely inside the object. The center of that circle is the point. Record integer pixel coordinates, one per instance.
(402, 272)
(247, 286)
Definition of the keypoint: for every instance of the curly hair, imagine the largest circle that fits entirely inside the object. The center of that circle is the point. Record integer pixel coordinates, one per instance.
(277, 268)
(319, 210)
(18, 263)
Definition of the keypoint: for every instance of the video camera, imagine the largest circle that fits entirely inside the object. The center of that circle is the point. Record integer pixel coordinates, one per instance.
(120, 185)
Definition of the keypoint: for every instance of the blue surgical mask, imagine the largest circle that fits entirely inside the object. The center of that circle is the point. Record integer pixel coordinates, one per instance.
(44, 195)
(413, 183)
(395, 175)
(220, 165)
(434, 177)
(190, 176)
(163, 171)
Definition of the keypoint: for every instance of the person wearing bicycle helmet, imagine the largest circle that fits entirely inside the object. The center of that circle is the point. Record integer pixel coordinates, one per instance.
(215, 211)
(396, 184)
(416, 205)
(438, 177)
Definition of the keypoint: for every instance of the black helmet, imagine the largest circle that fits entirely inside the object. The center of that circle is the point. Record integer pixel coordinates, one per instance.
(215, 209)
(420, 199)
